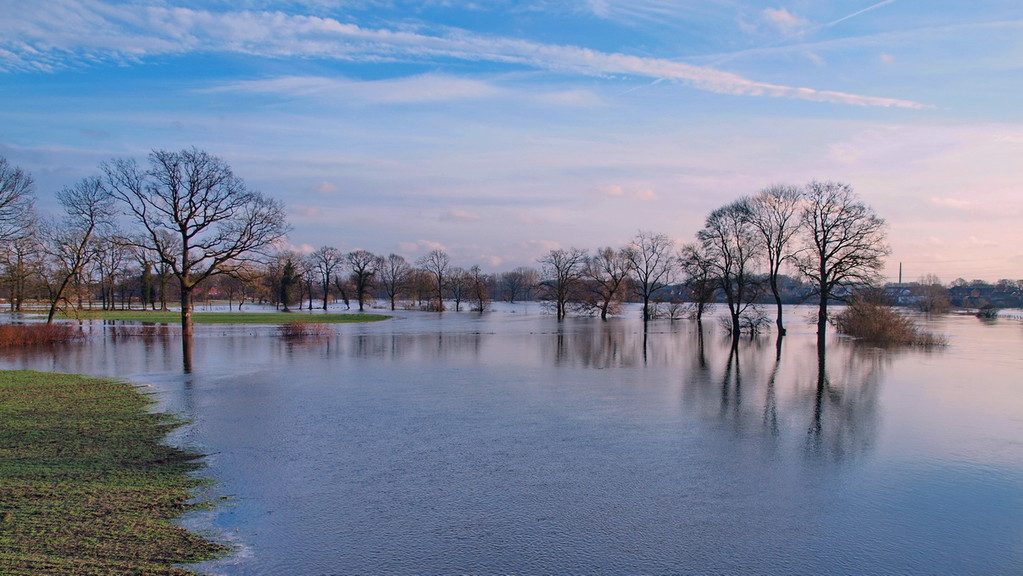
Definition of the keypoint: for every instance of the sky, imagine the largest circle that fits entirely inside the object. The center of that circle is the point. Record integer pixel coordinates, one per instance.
(498, 130)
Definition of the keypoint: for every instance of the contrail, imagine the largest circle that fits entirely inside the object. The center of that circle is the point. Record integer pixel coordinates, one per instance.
(855, 14)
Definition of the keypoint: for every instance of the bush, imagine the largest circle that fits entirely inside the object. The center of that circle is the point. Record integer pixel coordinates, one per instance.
(37, 334)
(302, 330)
(876, 322)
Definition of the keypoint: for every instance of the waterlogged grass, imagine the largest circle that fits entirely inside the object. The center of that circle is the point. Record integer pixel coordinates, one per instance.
(86, 486)
(228, 317)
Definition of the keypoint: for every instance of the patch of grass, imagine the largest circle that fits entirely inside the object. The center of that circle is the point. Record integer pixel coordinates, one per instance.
(228, 317)
(86, 484)
(37, 334)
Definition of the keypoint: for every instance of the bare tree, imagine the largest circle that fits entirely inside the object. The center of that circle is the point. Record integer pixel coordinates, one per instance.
(701, 284)
(845, 244)
(17, 196)
(71, 243)
(608, 274)
(437, 265)
(326, 260)
(730, 244)
(562, 277)
(518, 283)
(479, 291)
(458, 286)
(196, 215)
(395, 276)
(653, 266)
(23, 261)
(775, 213)
(363, 265)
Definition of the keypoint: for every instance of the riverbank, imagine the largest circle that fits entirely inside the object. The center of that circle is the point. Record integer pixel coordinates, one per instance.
(86, 484)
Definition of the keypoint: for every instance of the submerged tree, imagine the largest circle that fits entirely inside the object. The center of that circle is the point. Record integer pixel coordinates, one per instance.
(562, 277)
(608, 272)
(731, 247)
(437, 266)
(195, 214)
(845, 245)
(395, 277)
(653, 266)
(775, 213)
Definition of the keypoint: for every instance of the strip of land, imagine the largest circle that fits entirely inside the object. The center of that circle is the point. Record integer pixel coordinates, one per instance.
(86, 484)
(227, 317)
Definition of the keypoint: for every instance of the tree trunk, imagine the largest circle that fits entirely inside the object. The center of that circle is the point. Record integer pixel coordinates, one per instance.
(186, 311)
(777, 301)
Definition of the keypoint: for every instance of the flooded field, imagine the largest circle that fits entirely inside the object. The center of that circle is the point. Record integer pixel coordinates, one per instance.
(509, 443)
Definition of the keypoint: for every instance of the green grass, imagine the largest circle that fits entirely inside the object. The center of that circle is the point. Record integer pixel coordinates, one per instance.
(86, 484)
(228, 317)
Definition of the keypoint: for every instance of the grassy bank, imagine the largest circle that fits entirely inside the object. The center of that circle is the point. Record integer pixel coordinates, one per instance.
(228, 317)
(86, 486)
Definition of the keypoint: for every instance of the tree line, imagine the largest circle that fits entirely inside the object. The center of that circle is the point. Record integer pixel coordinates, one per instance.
(183, 225)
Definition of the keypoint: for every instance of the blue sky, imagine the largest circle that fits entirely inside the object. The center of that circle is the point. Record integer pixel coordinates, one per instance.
(498, 130)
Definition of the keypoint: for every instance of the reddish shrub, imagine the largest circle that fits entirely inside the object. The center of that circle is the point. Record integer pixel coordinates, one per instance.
(37, 334)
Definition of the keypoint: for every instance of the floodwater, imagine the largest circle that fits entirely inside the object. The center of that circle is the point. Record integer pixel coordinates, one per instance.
(511, 444)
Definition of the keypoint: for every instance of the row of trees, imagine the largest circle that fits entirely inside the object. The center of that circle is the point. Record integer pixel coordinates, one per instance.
(821, 231)
(184, 222)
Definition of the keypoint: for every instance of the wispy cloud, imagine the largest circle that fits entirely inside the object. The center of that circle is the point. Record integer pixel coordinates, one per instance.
(421, 88)
(785, 21)
(40, 38)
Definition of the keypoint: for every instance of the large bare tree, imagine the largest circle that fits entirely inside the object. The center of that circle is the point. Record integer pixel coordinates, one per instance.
(195, 214)
(654, 265)
(16, 199)
(846, 244)
(775, 212)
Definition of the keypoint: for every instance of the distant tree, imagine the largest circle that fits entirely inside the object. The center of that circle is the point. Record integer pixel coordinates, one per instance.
(196, 215)
(23, 262)
(458, 286)
(845, 245)
(653, 266)
(437, 265)
(326, 261)
(395, 277)
(518, 283)
(364, 266)
(479, 290)
(289, 278)
(110, 262)
(608, 272)
(561, 280)
(933, 296)
(17, 196)
(72, 242)
(775, 213)
(699, 273)
(731, 245)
